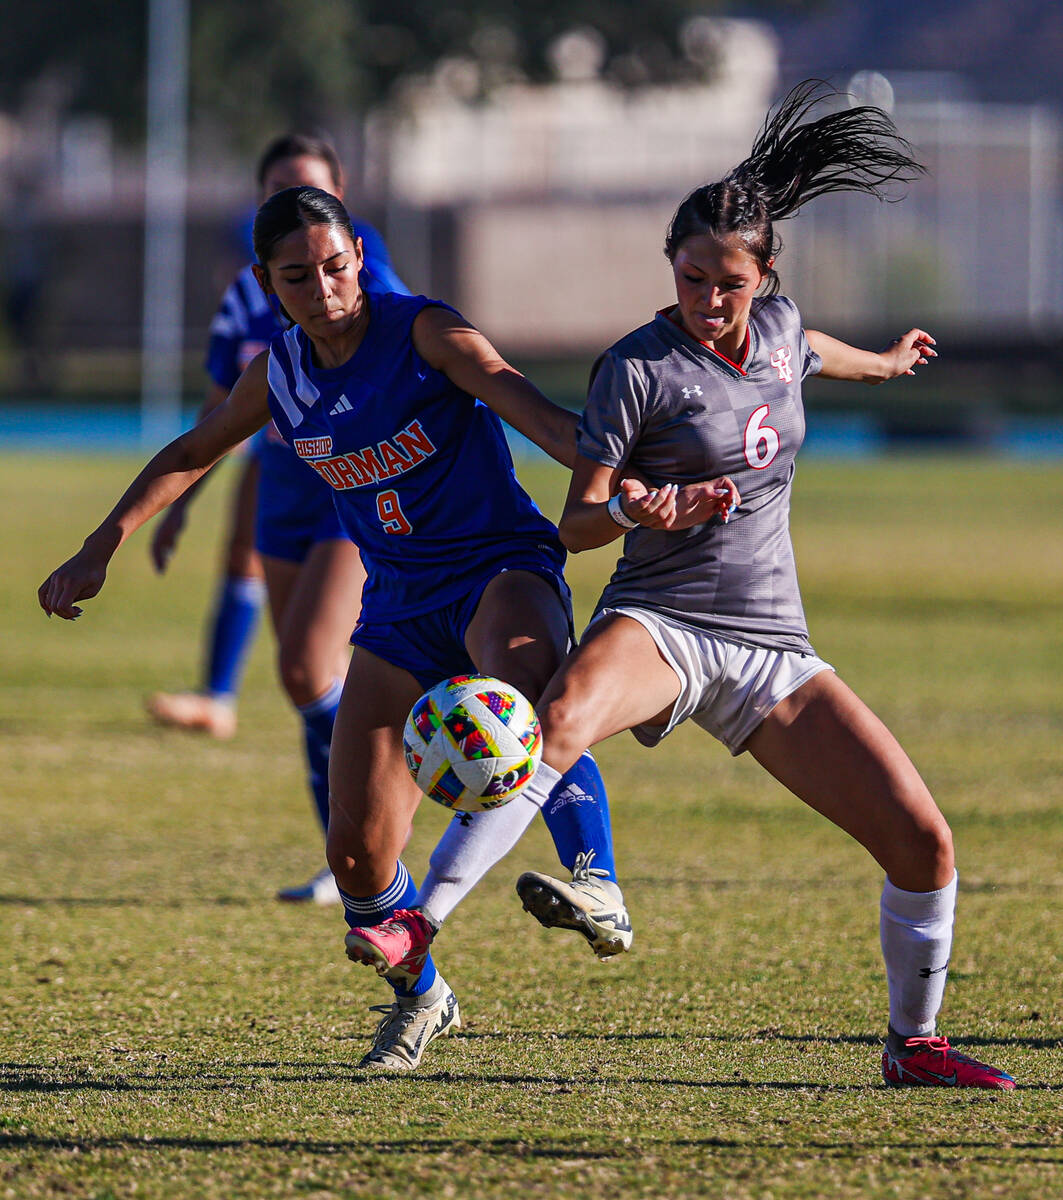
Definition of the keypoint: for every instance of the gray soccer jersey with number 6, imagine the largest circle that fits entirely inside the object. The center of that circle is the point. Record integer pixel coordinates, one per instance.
(677, 411)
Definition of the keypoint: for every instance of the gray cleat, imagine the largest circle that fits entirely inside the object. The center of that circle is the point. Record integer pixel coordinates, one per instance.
(591, 904)
(409, 1025)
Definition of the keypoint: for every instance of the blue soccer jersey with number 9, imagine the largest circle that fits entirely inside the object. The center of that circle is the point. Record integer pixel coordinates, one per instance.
(421, 473)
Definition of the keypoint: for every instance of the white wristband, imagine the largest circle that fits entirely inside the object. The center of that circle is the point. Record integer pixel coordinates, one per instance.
(621, 518)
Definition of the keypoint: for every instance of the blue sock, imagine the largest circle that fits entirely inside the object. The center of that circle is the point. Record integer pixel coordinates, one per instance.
(577, 815)
(319, 716)
(372, 910)
(236, 612)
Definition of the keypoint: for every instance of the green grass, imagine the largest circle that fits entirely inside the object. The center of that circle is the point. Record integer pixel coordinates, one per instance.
(169, 1031)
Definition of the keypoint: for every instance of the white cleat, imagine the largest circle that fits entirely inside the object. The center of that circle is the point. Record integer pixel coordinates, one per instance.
(322, 889)
(409, 1025)
(591, 903)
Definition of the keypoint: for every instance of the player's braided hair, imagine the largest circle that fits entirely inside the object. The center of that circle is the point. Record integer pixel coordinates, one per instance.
(793, 160)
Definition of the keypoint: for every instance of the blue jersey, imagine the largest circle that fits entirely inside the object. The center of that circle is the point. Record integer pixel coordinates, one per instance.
(422, 475)
(246, 320)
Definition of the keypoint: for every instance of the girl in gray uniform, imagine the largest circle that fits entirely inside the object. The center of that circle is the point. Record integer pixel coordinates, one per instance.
(705, 610)
(687, 446)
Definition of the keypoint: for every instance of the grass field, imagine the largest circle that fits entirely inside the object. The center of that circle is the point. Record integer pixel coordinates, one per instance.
(169, 1031)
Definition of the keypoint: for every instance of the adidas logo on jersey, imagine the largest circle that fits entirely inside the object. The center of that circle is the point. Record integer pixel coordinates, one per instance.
(342, 405)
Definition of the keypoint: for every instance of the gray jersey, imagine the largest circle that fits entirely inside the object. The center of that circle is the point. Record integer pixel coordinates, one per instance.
(678, 412)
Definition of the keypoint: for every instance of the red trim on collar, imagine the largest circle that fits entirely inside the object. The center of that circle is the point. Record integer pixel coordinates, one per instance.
(738, 366)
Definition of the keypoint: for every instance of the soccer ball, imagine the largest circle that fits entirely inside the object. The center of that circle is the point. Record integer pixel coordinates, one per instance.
(472, 743)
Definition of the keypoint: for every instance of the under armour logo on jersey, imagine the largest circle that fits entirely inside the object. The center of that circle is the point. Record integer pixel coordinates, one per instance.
(692, 391)
(342, 405)
(780, 360)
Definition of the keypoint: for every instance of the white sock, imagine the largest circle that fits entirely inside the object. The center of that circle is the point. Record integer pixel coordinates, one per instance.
(916, 932)
(474, 842)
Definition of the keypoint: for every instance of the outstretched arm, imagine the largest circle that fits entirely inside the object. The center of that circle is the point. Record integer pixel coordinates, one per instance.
(169, 474)
(842, 361)
(451, 345)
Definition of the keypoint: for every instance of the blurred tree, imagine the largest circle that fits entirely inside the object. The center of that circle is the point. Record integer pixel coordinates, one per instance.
(92, 53)
(256, 67)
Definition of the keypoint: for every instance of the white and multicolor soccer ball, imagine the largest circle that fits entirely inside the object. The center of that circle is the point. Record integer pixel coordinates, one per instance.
(472, 743)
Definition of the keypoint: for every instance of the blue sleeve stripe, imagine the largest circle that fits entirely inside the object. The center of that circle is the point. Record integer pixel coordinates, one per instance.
(279, 386)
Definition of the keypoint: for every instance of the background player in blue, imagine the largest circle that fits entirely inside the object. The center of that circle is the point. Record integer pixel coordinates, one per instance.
(283, 526)
(376, 393)
(241, 328)
(704, 609)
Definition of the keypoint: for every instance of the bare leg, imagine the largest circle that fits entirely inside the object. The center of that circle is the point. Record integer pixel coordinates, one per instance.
(614, 680)
(372, 796)
(373, 800)
(830, 750)
(314, 605)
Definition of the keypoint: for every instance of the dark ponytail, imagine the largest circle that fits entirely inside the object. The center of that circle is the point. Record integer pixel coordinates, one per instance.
(291, 209)
(794, 160)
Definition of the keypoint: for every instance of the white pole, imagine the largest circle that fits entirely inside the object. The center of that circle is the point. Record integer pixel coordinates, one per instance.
(162, 336)
(1043, 205)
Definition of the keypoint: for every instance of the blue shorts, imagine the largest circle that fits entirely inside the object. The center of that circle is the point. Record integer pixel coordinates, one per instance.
(295, 509)
(432, 646)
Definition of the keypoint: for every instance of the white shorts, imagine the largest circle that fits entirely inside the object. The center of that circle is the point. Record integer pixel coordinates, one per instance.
(728, 688)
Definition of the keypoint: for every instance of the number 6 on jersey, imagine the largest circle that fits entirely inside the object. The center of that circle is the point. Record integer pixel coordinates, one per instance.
(762, 441)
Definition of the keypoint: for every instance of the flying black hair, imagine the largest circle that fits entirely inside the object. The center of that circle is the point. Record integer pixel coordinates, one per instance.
(793, 160)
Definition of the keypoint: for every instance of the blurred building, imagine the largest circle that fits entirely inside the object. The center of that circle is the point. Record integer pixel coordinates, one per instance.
(564, 194)
(541, 213)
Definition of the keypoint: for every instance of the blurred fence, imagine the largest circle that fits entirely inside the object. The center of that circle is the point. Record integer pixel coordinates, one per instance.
(560, 255)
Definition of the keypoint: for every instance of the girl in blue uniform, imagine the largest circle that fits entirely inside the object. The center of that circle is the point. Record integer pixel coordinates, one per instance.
(394, 401)
(284, 525)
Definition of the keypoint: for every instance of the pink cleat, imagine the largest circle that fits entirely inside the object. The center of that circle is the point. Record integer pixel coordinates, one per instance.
(397, 947)
(932, 1062)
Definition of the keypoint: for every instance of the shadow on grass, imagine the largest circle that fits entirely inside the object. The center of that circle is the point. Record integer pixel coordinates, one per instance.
(758, 1037)
(695, 883)
(502, 1147)
(692, 884)
(243, 1077)
(761, 883)
(345, 1072)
